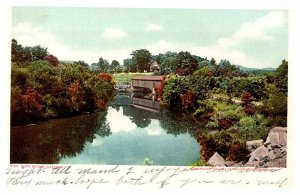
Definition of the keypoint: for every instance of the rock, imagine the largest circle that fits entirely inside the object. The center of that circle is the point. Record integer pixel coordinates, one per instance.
(281, 162)
(277, 136)
(252, 164)
(260, 153)
(216, 160)
(239, 164)
(229, 163)
(272, 156)
(252, 145)
(252, 158)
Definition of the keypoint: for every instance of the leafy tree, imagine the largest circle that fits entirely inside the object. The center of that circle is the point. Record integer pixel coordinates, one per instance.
(16, 51)
(26, 54)
(129, 65)
(212, 62)
(141, 58)
(103, 65)
(159, 58)
(115, 65)
(82, 63)
(52, 59)
(281, 77)
(168, 65)
(186, 62)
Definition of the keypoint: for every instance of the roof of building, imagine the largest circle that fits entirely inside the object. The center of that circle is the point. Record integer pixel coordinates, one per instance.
(148, 78)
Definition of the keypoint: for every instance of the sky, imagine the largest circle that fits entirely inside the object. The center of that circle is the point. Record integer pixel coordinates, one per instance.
(252, 38)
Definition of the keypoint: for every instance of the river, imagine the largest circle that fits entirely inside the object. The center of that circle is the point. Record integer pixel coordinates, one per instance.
(124, 134)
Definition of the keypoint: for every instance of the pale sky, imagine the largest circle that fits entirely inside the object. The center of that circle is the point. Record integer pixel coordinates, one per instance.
(252, 38)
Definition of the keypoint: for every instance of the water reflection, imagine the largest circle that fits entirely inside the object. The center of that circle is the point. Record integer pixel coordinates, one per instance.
(123, 134)
(50, 141)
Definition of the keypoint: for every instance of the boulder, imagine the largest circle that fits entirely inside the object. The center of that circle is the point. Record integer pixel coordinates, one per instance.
(259, 154)
(252, 164)
(252, 145)
(272, 155)
(281, 162)
(277, 137)
(239, 164)
(216, 160)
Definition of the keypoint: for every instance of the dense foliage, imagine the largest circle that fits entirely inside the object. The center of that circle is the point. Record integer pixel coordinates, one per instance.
(238, 106)
(42, 89)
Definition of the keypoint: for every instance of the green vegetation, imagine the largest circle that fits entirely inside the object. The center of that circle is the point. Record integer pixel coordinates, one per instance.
(224, 96)
(43, 89)
(221, 96)
(198, 163)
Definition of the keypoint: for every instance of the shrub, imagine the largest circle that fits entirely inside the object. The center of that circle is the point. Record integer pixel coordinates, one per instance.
(25, 107)
(198, 163)
(228, 145)
(105, 77)
(276, 106)
(76, 95)
(188, 100)
(52, 60)
(101, 104)
(249, 109)
(160, 89)
(253, 127)
(225, 123)
(237, 152)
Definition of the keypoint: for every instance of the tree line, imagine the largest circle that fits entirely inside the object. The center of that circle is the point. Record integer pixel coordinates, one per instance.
(42, 87)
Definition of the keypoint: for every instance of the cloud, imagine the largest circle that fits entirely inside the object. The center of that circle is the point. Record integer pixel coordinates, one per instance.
(118, 122)
(154, 27)
(27, 35)
(259, 30)
(256, 32)
(249, 34)
(113, 33)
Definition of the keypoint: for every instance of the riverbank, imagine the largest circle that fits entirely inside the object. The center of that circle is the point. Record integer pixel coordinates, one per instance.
(271, 153)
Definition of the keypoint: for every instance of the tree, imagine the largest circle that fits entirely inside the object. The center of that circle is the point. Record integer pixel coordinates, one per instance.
(186, 62)
(281, 77)
(114, 66)
(52, 60)
(168, 64)
(103, 65)
(26, 54)
(82, 63)
(129, 66)
(141, 58)
(213, 62)
(159, 58)
(16, 51)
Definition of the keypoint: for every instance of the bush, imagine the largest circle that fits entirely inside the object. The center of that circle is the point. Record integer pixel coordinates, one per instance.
(253, 127)
(188, 100)
(105, 77)
(198, 163)
(228, 145)
(224, 123)
(276, 106)
(25, 107)
(237, 152)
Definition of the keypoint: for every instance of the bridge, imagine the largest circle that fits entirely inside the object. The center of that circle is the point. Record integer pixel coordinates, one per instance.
(141, 83)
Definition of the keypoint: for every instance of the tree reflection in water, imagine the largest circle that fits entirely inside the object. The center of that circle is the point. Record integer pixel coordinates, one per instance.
(55, 139)
(50, 141)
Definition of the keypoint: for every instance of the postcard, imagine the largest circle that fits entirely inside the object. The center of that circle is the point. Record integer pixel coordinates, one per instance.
(149, 98)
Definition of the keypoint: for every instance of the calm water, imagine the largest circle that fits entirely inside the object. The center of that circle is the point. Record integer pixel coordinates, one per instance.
(123, 135)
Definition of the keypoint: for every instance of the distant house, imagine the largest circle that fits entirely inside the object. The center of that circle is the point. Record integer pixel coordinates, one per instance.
(154, 66)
